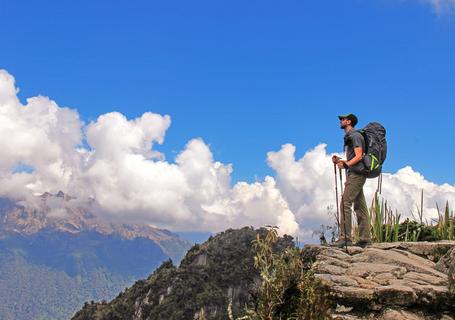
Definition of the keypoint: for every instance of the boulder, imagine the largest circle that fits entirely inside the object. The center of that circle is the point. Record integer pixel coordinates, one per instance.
(387, 281)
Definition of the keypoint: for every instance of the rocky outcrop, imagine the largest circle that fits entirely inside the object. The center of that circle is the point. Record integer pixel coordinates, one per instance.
(213, 279)
(386, 281)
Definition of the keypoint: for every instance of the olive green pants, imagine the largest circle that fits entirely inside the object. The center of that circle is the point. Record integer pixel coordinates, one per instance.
(353, 194)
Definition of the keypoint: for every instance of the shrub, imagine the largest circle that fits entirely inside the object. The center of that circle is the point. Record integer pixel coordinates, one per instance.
(287, 289)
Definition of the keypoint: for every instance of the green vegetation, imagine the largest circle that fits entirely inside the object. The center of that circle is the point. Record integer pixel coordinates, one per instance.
(288, 289)
(241, 274)
(49, 275)
(31, 291)
(217, 280)
(212, 282)
(446, 223)
(385, 225)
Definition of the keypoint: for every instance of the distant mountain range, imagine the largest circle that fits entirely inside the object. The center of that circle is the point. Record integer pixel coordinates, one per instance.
(55, 256)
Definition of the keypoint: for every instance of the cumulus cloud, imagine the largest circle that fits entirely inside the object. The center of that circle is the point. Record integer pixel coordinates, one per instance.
(40, 135)
(111, 165)
(308, 186)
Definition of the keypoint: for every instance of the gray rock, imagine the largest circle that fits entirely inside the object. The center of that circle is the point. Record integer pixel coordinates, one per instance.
(396, 294)
(337, 280)
(423, 279)
(446, 262)
(428, 250)
(401, 315)
(387, 281)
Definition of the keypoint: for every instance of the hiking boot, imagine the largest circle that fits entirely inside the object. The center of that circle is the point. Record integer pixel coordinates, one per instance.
(341, 243)
(363, 243)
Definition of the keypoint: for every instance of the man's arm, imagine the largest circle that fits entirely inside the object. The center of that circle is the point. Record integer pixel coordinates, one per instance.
(358, 156)
(346, 164)
(357, 142)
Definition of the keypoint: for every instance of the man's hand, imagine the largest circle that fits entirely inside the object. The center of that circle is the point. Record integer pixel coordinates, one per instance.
(342, 164)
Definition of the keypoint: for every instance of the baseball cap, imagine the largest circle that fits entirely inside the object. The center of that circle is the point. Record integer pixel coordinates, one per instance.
(349, 116)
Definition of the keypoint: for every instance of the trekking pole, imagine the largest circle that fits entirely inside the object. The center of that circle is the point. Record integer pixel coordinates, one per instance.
(342, 212)
(341, 182)
(378, 188)
(336, 194)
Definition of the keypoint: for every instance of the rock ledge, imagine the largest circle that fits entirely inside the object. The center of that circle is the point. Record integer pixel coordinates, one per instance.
(386, 281)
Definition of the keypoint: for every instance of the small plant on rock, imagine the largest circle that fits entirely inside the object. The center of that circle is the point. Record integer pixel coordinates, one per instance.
(287, 290)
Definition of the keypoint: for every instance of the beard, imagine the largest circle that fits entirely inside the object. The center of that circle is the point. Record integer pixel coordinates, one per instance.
(342, 126)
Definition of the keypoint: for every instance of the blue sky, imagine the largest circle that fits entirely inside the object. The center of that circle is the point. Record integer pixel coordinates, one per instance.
(247, 76)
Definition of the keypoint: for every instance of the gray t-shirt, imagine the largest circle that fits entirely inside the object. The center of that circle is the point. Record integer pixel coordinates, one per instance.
(354, 139)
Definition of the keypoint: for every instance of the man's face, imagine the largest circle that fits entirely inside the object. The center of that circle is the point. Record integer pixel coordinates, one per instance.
(344, 122)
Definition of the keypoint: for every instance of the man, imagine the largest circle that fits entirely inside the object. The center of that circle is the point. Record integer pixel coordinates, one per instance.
(354, 144)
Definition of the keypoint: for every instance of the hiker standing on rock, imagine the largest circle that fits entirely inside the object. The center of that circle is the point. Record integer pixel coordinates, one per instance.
(354, 144)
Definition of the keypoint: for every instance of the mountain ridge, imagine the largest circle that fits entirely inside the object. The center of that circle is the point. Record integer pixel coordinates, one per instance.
(55, 255)
(27, 219)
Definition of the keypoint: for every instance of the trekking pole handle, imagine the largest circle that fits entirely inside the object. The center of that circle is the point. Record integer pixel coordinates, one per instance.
(337, 159)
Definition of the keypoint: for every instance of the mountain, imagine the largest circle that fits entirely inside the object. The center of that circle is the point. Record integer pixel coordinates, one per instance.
(55, 255)
(217, 280)
(210, 277)
(56, 212)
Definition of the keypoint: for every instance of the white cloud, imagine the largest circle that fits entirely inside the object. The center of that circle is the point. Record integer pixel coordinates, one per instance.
(122, 173)
(308, 185)
(125, 178)
(441, 6)
(40, 135)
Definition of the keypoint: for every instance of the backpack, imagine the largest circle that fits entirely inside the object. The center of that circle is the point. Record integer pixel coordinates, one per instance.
(375, 149)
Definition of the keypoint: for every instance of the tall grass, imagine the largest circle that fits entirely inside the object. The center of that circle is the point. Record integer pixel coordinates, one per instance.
(446, 223)
(386, 224)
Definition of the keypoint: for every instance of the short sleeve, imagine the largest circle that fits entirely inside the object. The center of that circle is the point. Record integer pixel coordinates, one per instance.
(357, 140)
